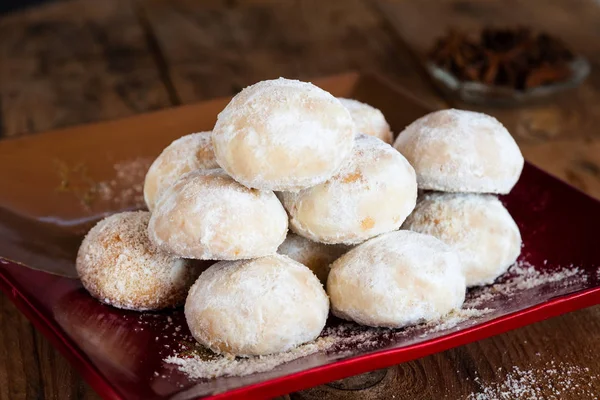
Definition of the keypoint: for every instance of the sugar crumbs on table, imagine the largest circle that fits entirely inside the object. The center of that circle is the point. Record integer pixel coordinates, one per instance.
(548, 382)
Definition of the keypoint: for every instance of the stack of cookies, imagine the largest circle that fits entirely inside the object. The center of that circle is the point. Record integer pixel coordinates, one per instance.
(463, 159)
(286, 154)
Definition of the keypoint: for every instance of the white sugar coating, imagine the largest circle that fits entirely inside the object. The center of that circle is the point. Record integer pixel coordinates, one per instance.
(368, 119)
(461, 151)
(316, 256)
(397, 279)
(256, 307)
(207, 215)
(477, 226)
(119, 266)
(185, 154)
(282, 135)
(372, 193)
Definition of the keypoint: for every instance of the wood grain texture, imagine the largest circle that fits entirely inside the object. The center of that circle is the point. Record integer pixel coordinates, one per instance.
(75, 62)
(573, 115)
(216, 48)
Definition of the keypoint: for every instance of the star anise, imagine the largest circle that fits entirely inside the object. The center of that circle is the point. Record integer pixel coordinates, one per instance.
(514, 58)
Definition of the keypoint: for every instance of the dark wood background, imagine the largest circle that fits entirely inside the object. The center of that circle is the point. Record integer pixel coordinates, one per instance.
(80, 61)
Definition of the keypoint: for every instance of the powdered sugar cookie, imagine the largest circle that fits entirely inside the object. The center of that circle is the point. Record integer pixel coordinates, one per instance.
(396, 279)
(478, 227)
(371, 194)
(368, 119)
(207, 215)
(461, 151)
(282, 135)
(256, 307)
(316, 256)
(185, 154)
(119, 266)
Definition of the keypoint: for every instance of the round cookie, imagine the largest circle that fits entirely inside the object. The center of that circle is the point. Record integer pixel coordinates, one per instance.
(185, 154)
(119, 266)
(397, 279)
(282, 135)
(372, 193)
(316, 256)
(256, 307)
(207, 215)
(461, 151)
(368, 119)
(478, 227)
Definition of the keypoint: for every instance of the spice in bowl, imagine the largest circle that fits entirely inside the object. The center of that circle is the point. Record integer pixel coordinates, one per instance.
(504, 66)
(516, 58)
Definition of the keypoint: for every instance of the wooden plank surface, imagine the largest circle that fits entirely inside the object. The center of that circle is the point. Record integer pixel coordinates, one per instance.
(133, 57)
(216, 49)
(75, 62)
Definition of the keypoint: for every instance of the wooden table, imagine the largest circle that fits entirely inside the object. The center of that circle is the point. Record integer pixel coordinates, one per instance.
(80, 61)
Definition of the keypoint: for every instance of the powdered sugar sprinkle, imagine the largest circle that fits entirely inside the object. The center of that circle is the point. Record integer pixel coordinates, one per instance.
(550, 382)
(344, 339)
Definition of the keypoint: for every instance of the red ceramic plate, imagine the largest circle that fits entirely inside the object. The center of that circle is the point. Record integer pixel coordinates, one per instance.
(61, 182)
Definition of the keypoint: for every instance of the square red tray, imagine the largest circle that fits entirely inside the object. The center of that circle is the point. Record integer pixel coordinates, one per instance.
(57, 186)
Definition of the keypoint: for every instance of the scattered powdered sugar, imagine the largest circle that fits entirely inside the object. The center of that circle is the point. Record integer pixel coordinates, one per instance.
(528, 277)
(126, 189)
(523, 276)
(554, 381)
(209, 365)
(482, 297)
(122, 191)
(343, 339)
(456, 317)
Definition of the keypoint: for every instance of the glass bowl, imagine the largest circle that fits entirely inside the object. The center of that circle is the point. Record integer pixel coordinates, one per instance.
(482, 94)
